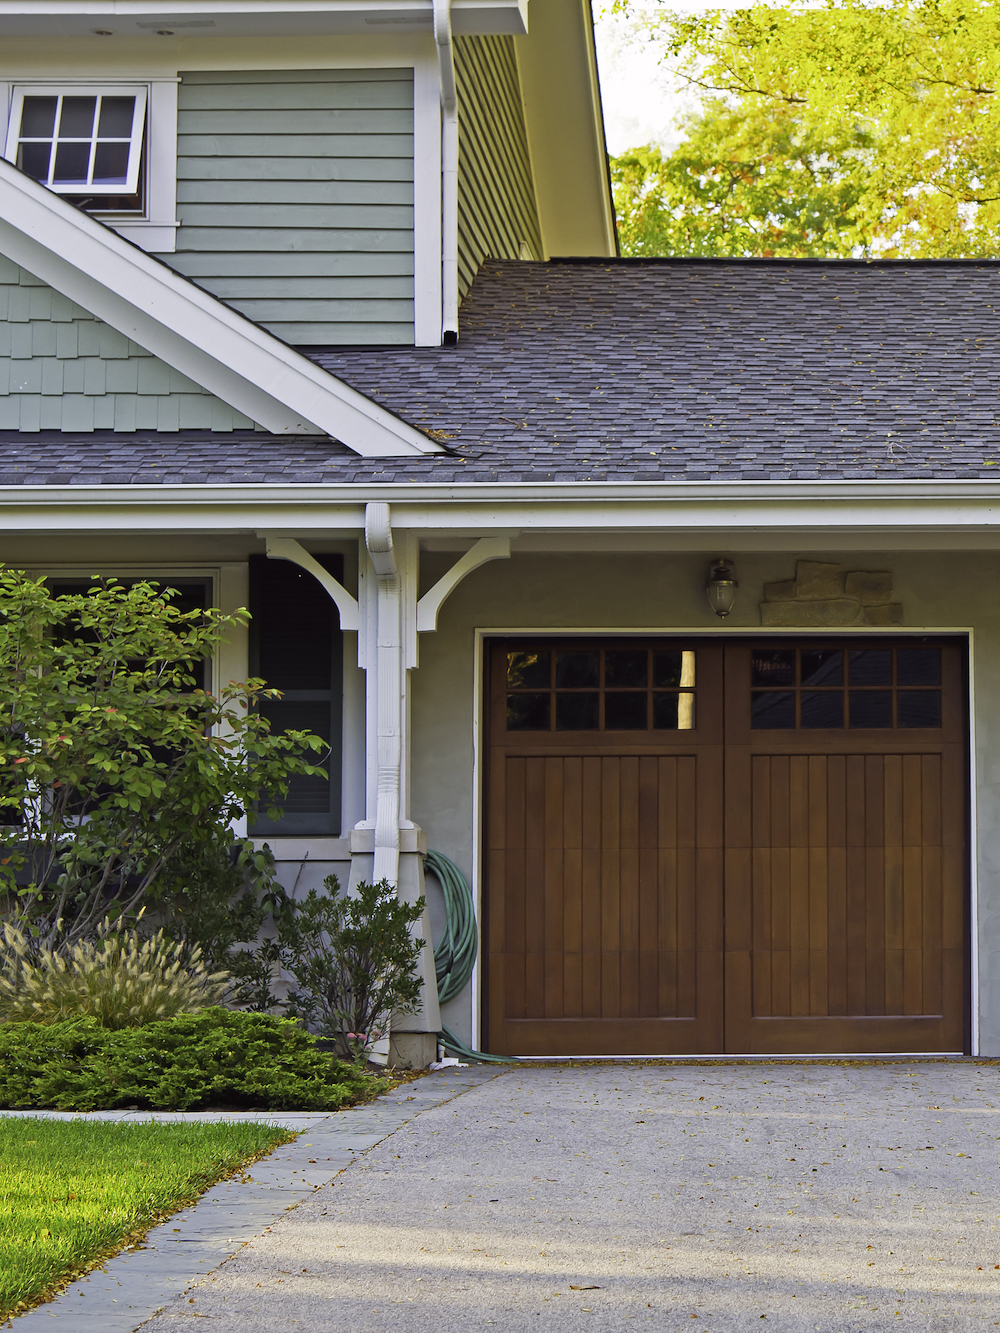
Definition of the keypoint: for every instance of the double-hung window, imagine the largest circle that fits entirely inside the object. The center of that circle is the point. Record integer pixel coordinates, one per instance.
(86, 143)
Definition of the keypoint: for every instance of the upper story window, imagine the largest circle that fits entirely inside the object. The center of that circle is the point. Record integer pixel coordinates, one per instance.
(86, 143)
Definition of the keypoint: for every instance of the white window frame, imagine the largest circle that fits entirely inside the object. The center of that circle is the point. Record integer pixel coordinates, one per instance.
(155, 229)
(138, 92)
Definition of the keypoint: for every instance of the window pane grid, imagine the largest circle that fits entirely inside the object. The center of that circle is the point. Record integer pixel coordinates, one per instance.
(597, 689)
(845, 688)
(79, 141)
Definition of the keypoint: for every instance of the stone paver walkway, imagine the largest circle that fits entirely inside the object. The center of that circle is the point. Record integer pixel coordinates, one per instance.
(836, 1198)
(128, 1289)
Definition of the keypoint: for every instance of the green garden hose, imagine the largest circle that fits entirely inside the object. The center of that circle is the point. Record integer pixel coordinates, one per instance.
(455, 954)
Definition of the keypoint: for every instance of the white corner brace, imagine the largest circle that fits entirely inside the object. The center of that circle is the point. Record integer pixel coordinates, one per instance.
(287, 548)
(486, 549)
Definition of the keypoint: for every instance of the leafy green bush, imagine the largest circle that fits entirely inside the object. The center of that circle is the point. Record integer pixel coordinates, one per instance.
(120, 979)
(221, 896)
(354, 962)
(111, 757)
(217, 1057)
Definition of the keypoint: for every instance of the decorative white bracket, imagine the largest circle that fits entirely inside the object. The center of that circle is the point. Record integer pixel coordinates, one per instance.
(486, 549)
(287, 548)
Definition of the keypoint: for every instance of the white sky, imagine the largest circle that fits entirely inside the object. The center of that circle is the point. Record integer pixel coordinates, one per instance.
(641, 97)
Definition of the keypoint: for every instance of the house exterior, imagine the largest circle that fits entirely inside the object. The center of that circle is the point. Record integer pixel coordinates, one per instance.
(313, 306)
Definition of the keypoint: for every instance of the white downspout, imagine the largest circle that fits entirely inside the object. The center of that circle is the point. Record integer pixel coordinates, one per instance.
(388, 639)
(449, 171)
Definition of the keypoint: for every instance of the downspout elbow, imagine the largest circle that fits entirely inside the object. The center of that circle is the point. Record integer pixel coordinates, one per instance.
(445, 55)
(378, 539)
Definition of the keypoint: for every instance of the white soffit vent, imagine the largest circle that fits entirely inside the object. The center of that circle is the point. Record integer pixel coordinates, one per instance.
(187, 328)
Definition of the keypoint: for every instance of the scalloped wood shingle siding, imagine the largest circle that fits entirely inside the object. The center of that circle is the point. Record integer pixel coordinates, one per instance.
(295, 197)
(496, 193)
(63, 369)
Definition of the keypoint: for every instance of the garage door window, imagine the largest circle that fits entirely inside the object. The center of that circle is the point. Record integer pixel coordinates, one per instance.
(627, 689)
(837, 688)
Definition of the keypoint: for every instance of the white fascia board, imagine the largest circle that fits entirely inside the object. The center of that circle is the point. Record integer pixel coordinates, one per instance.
(895, 511)
(227, 17)
(189, 329)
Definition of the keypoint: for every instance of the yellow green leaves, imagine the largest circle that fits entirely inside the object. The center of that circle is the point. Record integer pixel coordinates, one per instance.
(848, 130)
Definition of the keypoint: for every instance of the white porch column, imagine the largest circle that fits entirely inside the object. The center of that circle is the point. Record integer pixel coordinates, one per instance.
(386, 844)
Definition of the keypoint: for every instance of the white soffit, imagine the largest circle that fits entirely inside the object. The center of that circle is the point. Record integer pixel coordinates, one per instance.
(190, 330)
(203, 18)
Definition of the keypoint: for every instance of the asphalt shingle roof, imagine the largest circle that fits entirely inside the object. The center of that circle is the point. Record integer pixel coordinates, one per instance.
(642, 371)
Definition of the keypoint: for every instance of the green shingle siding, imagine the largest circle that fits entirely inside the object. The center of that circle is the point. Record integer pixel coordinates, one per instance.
(496, 195)
(62, 369)
(295, 198)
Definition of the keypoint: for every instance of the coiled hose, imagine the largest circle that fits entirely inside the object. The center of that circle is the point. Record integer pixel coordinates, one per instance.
(456, 951)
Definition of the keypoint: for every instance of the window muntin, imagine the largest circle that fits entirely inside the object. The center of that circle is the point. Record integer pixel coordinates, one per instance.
(83, 142)
(857, 689)
(600, 689)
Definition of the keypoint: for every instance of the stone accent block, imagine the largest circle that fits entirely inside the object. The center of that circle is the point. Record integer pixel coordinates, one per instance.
(870, 588)
(814, 579)
(821, 594)
(814, 611)
(889, 614)
(780, 592)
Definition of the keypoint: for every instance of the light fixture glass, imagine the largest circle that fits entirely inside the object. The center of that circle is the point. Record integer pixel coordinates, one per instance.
(721, 588)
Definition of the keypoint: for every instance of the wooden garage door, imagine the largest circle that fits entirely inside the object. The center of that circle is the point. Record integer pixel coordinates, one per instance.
(605, 849)
(695, 849)
(845, 856)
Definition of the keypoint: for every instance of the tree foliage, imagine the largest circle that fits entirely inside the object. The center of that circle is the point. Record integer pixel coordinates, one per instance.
(855, 129)
(111, 758)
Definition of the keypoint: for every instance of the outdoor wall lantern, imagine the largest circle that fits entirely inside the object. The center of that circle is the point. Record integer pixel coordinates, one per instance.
(721, 588)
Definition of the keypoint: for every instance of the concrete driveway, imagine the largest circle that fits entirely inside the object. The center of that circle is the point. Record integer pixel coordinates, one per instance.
(792, 1197)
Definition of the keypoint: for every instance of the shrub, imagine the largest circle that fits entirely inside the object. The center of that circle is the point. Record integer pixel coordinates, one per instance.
(354, 962)
(217, 1057)
(221, 899)
(111, 756)
(120, 980)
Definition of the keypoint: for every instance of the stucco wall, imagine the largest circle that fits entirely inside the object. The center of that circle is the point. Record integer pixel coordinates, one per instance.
(665, 592)
(946, 591)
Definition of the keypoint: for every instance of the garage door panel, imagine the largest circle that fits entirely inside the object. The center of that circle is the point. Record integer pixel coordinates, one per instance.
(612, 847)
(577, 918)
(858, 864)
(872, 1035)
(792, 887)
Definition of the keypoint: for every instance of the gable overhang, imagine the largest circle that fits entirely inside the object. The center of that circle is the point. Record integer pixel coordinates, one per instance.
(943, 515)
(251, 18)
(186, 327)
(560, 88)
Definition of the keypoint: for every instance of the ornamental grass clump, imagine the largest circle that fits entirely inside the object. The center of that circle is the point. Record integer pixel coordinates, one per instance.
(119, 979)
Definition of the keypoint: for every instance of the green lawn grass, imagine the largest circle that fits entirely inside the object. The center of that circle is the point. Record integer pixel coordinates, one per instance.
(72, 1193)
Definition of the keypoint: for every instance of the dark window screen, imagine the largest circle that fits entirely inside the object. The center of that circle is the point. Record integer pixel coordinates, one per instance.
(189, 595)
(296, 647)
